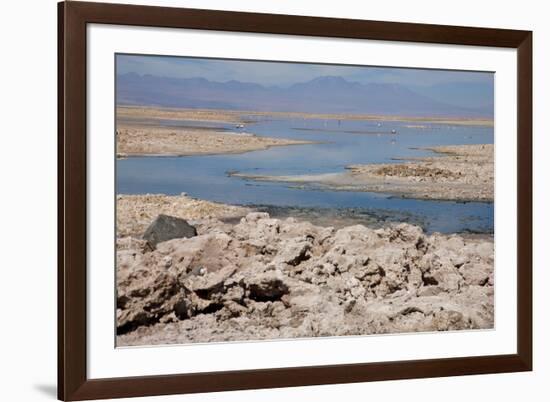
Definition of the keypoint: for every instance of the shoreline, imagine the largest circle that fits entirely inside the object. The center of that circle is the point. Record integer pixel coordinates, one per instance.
(208, 153)
(135, 212)
(238, 116)
(151, 141)
(461, 173)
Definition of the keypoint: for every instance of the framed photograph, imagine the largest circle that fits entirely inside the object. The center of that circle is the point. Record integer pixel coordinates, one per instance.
(253, 200)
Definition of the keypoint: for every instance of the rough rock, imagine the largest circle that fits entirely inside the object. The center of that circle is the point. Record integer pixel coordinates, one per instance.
(475, 273)
(266, 278)
(268, 286)
(144, 296)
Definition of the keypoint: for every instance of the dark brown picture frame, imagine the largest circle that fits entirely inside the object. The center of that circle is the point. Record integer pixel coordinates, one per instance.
(73, 383)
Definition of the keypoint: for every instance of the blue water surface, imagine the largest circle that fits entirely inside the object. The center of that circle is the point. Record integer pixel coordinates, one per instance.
(341, 143)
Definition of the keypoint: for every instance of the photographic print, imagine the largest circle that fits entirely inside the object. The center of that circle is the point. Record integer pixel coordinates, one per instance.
(262, 200)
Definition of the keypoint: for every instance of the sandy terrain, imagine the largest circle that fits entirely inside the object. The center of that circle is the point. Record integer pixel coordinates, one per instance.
(462, 173)
(135, 212)
(242, 116)
(145, 112)
(133, 140)
(266, 278)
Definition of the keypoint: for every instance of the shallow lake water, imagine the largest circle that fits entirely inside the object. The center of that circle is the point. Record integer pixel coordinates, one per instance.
(341, 143)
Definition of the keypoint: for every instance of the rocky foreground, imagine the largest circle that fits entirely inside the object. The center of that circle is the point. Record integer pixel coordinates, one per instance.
(266, 278)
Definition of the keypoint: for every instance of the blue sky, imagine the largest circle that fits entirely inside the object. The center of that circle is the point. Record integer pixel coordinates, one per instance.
(284, 74)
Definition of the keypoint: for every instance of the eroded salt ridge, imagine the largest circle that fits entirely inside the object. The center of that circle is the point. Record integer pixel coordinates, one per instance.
(267, 278)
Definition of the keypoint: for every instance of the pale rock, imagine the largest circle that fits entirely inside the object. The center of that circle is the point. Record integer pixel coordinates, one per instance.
(266, 278)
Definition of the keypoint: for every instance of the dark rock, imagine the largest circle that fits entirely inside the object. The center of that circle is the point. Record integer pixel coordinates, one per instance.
(165, 228)
(268, 286)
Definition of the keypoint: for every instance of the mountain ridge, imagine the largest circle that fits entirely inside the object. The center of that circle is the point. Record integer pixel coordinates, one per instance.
(323, 94)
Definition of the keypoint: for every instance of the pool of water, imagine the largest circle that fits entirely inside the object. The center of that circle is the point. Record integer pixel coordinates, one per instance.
(339, 144)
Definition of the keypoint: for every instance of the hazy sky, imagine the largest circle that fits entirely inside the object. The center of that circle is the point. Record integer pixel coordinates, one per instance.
(284, 74)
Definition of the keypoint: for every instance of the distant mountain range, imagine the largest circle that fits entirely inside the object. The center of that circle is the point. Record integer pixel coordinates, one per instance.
(327, 94)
